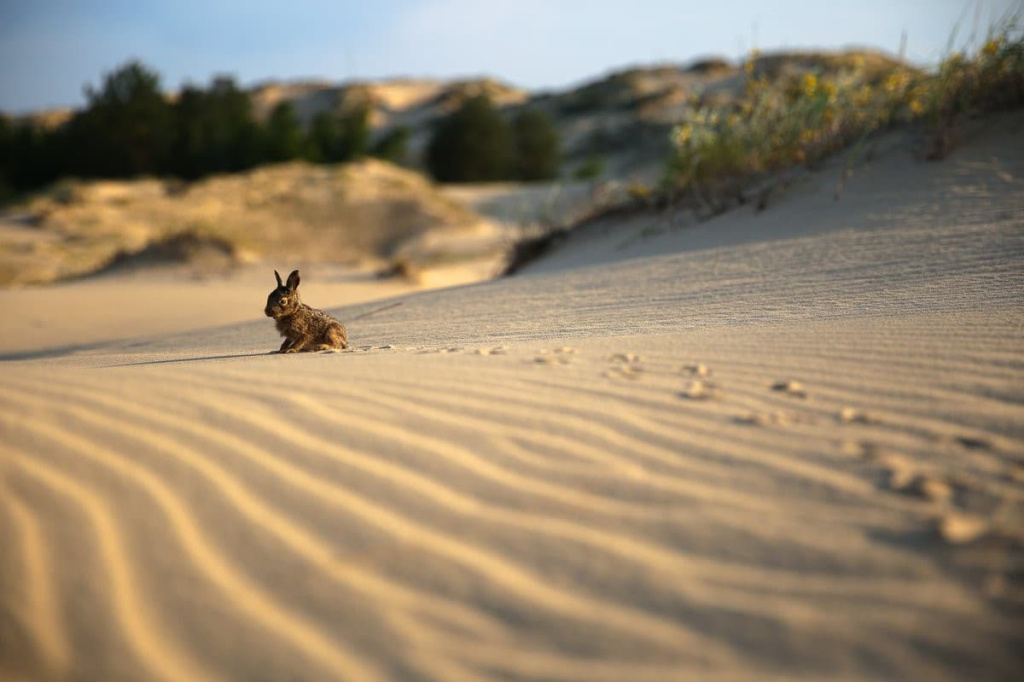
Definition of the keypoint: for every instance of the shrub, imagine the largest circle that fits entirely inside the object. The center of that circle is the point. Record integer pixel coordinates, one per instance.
(773, 127)
(215, 131)
(473, 144)
(355, 133)
(591, 169)
(537, 147)
(393, 146)
(282, 138)
(324, 144)
(992, 79)
(127, 128)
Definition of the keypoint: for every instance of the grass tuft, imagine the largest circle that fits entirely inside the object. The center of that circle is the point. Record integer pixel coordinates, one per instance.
(785, 121)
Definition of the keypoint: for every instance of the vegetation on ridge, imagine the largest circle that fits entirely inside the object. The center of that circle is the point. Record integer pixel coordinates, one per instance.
(780, 124)
(129, 128)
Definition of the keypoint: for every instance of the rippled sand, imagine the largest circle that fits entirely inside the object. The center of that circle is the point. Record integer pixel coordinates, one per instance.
(786, 445)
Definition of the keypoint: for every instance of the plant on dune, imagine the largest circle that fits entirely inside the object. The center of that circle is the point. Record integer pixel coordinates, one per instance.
(473, 144)
(777, 125)
(991, 79)
(537, 146)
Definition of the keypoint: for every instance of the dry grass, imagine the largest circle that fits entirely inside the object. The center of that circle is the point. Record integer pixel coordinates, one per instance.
(796, 111)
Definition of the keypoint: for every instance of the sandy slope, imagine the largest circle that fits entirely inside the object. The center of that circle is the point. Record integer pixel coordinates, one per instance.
(582, 473)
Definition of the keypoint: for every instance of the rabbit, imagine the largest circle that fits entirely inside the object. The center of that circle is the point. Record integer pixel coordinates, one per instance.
(303, 328)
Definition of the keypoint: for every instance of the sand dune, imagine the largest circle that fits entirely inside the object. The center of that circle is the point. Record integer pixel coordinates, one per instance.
(777, 446)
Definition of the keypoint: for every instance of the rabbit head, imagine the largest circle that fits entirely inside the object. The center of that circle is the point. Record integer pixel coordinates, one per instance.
(284, 300)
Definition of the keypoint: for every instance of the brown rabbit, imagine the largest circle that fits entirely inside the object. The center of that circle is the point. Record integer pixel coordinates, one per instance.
(303, 328)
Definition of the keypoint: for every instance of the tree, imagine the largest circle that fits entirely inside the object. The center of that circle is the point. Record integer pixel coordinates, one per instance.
(30, 155)
(324, 139)
(473, 144)
(126, 128)
(537, 147)
(6, 158)
(215, 131)
(283, 138)
(355, 133)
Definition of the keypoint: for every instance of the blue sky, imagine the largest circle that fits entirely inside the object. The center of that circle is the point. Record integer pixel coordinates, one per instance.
(49, 49)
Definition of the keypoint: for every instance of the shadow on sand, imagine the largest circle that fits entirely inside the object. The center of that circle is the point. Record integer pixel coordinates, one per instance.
(175, 361)
(42, 354)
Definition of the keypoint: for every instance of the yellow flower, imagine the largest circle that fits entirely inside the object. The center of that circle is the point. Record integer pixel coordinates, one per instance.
(809, 84)
(748, 67)
(683, 134)
(992, 46)
(862, 96)
(894, 82)
(916, 108)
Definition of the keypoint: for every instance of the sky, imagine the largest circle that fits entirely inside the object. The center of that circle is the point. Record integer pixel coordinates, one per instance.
(51, 49)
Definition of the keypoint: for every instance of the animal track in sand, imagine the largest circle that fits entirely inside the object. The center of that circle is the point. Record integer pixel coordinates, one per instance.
(497, 350)
(436, 351)
(1014, 473)
(624, 357)
(959, 529)
(923, 486)
(851, 415)
(558, 356)
(624, 366)
(974, 442)
(700, 390)
(790, 387)
(697, 369)
(551, 360)
(631, 372)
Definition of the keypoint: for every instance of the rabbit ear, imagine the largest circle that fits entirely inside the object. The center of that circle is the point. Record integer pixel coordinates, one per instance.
(293, 280)
(279, 282)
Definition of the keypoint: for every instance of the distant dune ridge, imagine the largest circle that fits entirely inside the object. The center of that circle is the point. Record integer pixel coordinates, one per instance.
(374, 214)
(625, 115)
(785, 444)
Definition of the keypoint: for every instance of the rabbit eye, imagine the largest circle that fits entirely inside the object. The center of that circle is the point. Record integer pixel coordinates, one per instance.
(284, 301)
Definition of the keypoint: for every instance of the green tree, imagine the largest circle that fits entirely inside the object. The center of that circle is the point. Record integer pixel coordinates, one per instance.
(30, 155)
(6, 158)
(283, 138)
(537, 146)
(355, 133)
(325, 144)
(473, 144)
(127, 127)
(215, 131)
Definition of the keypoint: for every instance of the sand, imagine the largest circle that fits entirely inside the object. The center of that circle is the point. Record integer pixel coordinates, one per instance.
(779, 445)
